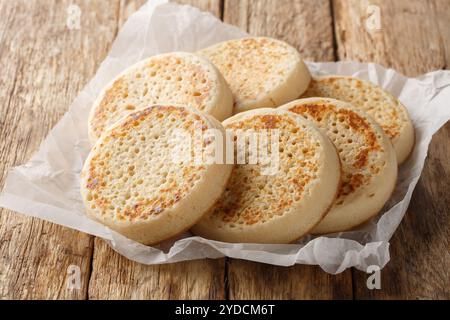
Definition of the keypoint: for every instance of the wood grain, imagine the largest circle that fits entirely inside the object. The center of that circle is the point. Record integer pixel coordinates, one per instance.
(412, 40)
(251, 280)
(213, 6)
(408, 41)
(44, 65)
(115, 277)
(307, 25)
(284, 19)
(442, 19)
(126, 9)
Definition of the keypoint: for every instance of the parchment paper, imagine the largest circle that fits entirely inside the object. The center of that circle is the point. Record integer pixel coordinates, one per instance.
(47, 186)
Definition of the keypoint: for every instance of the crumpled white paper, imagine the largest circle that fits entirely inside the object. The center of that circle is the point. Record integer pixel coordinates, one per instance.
(47, 186)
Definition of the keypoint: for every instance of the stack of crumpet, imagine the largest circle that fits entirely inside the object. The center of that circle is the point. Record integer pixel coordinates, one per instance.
(238, 143)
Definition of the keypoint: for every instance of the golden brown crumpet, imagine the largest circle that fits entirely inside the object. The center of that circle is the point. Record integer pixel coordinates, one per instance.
(174, 78)
(131, 183)
(390, 114)
(283, 206)
(261, 72)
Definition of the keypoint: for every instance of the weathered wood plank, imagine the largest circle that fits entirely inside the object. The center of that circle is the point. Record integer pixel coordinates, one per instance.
(408, 41)
(115, 277)
(442, 19)
(413, 40)
(251, 280)
(213, 6)
(308, 26)
(44, 64)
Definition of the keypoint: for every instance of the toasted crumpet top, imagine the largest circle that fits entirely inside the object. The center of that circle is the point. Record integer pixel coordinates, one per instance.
(390, 114)
(180, 78)
(281, 207)
(369, 167)
(261, 72)
(132, 183)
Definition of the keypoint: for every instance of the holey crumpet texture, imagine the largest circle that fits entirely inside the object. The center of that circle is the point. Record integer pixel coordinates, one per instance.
(280, 207)
(390, 114)
(261, 72)
(174, 78)
(369, 164)
(131, 184)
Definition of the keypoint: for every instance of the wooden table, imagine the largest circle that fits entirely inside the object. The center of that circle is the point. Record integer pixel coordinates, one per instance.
(44, 64)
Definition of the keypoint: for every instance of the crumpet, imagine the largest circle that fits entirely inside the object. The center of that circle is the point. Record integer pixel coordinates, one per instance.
(261, 72)
(390, 114)
(171, 78)
(369, 165)
(285, 205)
(132, 183)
